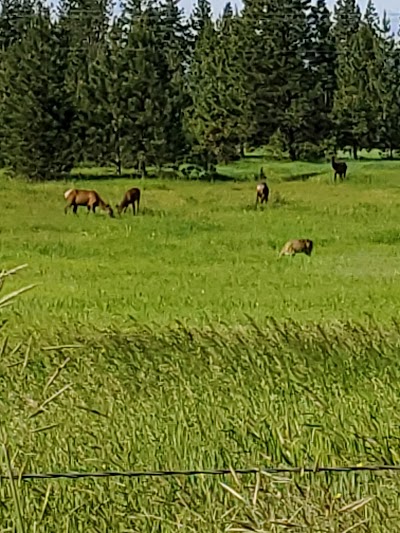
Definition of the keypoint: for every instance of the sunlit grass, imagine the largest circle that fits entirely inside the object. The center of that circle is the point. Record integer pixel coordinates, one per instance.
(178, 340)
(201, 253)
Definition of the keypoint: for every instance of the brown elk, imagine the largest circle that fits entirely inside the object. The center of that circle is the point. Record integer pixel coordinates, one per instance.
(262, 189)
(262, 193)
(297, 246)
(130, 197)
(88, 198)
(340, 168)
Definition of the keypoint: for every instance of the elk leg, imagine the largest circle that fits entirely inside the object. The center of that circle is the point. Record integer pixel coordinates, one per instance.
(133, 208)
(75, 208)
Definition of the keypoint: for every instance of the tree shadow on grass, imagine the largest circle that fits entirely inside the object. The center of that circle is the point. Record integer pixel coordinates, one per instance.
(302, 177)
(79, 176)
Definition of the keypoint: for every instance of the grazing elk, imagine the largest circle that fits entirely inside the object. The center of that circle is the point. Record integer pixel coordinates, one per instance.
(340, 168)
(130, 197)
(88, 198)
(297, 246)
(262, 190)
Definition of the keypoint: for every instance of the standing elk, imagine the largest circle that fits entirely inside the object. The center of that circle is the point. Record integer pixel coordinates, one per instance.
(297, 246)
(340, 168)
(88, 198)
(130, 197)
(262, 190)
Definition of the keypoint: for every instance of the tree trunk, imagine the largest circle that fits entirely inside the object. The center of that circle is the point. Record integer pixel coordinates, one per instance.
(290, 142)
(241, 152)
(143, 170)
(292, 153)
(355, 151)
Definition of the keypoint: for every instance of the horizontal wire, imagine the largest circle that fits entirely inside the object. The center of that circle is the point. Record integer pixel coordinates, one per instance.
(216, 472)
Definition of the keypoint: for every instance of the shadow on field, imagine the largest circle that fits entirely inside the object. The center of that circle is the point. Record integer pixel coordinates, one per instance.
(302, 177)
(102, 177)
(221, 177)
(163, 174)
(254, 156)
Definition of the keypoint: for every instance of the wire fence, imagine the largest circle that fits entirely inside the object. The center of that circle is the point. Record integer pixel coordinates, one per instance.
(213, 472)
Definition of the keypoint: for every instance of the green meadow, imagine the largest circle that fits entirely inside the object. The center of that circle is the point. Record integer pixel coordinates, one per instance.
(178, 340)
(200, 252)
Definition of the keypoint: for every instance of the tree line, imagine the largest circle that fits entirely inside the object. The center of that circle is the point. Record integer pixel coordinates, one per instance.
(151, 86)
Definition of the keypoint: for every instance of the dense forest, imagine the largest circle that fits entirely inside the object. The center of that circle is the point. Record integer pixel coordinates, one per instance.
(152, 86)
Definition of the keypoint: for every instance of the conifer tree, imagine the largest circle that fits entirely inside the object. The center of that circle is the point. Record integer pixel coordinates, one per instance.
(388, 88)
(85, 25)
(355, 110)
(218, 116)
(37, 108)
(347, 17)
(322, 62)
(277, 45)
(175, 41)
(146, 83)
(15, 18)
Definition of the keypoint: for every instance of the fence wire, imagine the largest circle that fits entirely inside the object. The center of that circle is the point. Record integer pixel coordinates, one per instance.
(215, 472)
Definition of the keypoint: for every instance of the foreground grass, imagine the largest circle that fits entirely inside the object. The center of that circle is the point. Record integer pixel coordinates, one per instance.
(201, 253)
(280, 395)
(221, 387)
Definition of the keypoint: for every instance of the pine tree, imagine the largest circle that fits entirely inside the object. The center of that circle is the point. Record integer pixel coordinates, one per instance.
(388, 88)
(15, 19)
(146, 77)
(218, 116)
(201, 74)
(202, 14)
(347, 16)
(85, 25)
(175, 39)
(37, 108)
(355, 108)
(107, 138)
(349, 114)
(277, 46)
(322, 62)
(371, 17)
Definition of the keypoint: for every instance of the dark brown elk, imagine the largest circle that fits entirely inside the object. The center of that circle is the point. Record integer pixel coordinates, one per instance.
(130, 198)
(262, 193)
(340, 168)
(297, 246)
(86, 198)
(262, 189)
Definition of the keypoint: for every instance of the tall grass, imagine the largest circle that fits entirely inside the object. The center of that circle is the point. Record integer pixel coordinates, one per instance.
(284, 394)
(178, 340)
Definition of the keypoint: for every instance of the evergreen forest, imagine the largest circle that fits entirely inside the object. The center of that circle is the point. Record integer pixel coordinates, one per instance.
(152, 86)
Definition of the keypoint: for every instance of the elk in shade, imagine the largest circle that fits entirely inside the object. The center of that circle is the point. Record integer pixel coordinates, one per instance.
(262, 189)
(340, 169)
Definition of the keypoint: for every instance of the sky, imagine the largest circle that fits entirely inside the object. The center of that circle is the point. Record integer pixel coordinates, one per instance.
(392, 7)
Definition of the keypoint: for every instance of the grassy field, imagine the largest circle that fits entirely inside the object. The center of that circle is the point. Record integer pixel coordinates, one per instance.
(201, 253)
(195, 347)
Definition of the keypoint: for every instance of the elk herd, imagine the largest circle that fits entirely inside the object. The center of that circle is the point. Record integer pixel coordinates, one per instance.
(91, 200)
